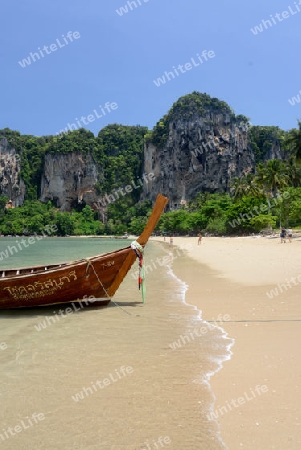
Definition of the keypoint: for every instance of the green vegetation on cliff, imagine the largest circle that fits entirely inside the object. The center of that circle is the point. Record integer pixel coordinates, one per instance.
(270, 198)
(118, 152)
(263, 139)
(121, 156)
(188, 107)
(31, 150)
(293, 142)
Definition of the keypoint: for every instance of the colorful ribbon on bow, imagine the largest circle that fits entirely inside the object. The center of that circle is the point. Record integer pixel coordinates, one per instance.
(138, 249)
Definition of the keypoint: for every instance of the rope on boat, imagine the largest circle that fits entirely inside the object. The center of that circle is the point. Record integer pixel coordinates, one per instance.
(89, 263)
(138, 249)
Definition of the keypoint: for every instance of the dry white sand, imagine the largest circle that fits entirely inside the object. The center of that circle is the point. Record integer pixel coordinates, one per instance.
(232, 277)
(248, 260)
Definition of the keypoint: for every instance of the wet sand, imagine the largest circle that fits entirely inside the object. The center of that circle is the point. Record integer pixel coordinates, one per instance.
(108, 378)
(231, 277)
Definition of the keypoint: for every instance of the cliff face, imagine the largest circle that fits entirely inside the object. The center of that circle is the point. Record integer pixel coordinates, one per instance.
(199, 145)
(201, 153)
(266, 143)
(11, 184)
(274, 152)
(69, 179)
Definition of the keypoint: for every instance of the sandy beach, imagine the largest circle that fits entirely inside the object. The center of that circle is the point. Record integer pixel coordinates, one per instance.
(157, 375)
(258, 390)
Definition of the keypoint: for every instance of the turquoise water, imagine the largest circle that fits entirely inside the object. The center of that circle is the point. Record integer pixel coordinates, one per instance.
(14, 254)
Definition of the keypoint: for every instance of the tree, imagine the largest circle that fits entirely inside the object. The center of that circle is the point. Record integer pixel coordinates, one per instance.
(289, 210)
(293, 172)
(262, 221)
(252, 188)
(65, 224)
(88, 213)
(264, 138)
(3, 202)
(137, 225)
(246, 185)
(293, 140)
(272, 176)
(238, 188)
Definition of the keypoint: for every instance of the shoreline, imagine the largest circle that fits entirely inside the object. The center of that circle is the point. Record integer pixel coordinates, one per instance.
(158, 399)
(233, 276)
(213, 364)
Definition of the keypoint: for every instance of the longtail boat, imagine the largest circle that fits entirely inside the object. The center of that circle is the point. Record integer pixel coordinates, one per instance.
(98, 276)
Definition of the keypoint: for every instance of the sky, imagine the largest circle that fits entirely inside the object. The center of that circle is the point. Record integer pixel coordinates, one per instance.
(112, 57)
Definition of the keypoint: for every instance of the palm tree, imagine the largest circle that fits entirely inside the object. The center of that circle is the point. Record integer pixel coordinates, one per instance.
(261, 176)
(246, 185)
(238, 187)
(252, 187)
(293, 172)
(272, 176)
(293, 140)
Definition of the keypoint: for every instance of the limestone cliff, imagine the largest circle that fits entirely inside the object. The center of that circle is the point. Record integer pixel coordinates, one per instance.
(11, 184)
(199, 145)
(266, 143)
(203, 150)
(274, 152)
(69, 179)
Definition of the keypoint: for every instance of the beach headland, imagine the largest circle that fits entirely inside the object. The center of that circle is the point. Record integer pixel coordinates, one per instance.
(254, 281)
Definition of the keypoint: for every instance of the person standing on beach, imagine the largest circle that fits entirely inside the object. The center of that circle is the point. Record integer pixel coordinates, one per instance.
(283, 236)
(171, 240)
(199, 238)
(289, 234)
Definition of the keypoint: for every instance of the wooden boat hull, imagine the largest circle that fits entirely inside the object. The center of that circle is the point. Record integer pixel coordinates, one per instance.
(98, 277)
